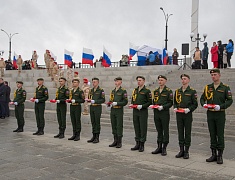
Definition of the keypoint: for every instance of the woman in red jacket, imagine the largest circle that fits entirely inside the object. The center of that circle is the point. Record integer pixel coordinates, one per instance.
(214, 55)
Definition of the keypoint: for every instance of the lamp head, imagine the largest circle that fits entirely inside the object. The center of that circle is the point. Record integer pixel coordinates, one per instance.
(205, 35)
(161, 8)
(191, 35)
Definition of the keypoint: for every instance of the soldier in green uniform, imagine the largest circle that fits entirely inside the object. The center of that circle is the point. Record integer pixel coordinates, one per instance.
(118, 99)
(18, 101)
(62, 94)
(142, 97)
(219, 95)
(185, 102)
(96, 97)
(76, 98)
(162, 96)
(41, 95)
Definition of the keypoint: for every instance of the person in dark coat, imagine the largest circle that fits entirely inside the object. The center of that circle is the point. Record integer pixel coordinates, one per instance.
(220, 54)
(205, 52)
(3, 91)
(8, 92)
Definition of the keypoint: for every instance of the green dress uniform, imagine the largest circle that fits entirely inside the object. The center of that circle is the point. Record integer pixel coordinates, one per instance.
(216, 119)
(98, 96)
(162, 118)
(140, 117)
(185, 99)
(62, 94)
(19, 98)
(75, 111)
(116, 115)
(41, 94)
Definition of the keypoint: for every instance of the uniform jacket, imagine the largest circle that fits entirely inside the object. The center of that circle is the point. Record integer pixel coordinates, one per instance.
(77, 95)
(186, 99)
(165, 98)
(19, 96)
(119, 96)
(62, 94)
(142, 97)
(41, 94)
(98, 95)
(3, 91)
(221, 96)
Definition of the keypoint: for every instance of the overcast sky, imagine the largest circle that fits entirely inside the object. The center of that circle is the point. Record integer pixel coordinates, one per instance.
(73, 24)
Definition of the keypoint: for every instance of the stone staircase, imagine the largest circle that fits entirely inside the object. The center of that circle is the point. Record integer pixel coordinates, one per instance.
(199, 78)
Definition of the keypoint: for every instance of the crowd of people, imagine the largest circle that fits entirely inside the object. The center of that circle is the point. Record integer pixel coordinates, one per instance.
(220, 55)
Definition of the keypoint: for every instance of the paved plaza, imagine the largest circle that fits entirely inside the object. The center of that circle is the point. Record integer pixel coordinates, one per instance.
(24, 156)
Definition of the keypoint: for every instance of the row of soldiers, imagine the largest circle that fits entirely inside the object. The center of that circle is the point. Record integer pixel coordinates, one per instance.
(216, 98)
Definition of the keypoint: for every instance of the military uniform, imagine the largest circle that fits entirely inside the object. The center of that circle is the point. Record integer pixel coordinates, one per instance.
(216, 118)
(98, 96)
(140, 117)
(186, 99)
(86, 90)
(75, 111)
(2, 66)
(62, 94)
(41, 94)
(19, 99)
(19, 63)
(120, 97)
(162, 98)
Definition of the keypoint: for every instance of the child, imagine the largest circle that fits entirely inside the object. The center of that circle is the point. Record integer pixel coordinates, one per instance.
(224, 58)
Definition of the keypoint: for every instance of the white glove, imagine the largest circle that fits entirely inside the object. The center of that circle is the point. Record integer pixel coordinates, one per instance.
(175, 109)
(204, 105)
(57, 101)
(186, 111)
(139, 107)
(16, 103)
(217, 107)
(114, 103)
(160, 108)
(36, 101)
(92, 101)
(73, 100)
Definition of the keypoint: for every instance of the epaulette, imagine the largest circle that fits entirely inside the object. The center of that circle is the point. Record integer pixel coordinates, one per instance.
(168, 89)
(192, 88)
(123, 89)
(225, 85)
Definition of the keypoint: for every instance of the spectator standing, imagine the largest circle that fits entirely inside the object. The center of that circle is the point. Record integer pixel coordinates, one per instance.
(47, 60)
(205, 52)
(34, 60)
(3, 91)
(229, 48)
(175, 56)
(197, 56)
(225, 63)
(19, 63)
(151, 58)
(214, 55)
(220, 54)
(2, 66)
(8, 93)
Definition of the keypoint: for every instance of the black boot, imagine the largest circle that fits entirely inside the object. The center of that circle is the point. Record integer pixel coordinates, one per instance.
(77, 137)
(119, 142)
(36, 133)
(136, 147)
(92, 139)
(219, 157)
(159, 149)
(62, 134)
(41, 131)
(16, 129)
(114, 141)
(73, 137)
(141, 149)
(186, 153)
(213, 156)
(181, 153)
(96, 140)
(58, 135)
(164, 153)
(21, 129)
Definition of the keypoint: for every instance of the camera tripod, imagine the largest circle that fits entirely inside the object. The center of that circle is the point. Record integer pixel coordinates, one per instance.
(184, 65)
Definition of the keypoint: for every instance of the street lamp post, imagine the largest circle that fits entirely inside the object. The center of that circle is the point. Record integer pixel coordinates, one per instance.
(198, 39)
(10, 37)
(166, 19)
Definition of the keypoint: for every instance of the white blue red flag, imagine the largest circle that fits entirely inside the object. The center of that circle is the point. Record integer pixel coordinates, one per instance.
(14, 61)
(132, 50)
(106, 62)
(68, 58)
(87, 56)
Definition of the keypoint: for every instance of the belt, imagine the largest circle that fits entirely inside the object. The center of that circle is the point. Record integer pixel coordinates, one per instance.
(75, 104)
(95, 104)
(215, 110)
(181, 108)
(117, 107)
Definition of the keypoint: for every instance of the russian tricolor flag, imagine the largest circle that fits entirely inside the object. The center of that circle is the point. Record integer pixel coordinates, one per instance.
(106, 62)
(132, 50)
(87, 56)
(164, 56)
(14, 61)
(68, 58)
